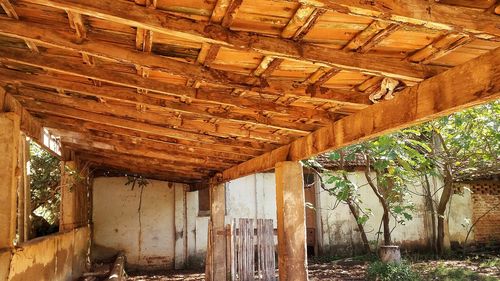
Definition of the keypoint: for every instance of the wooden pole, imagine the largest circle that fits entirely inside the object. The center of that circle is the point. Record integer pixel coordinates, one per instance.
(9, 153)
(290, 203)
(217, 213)
(68, 197)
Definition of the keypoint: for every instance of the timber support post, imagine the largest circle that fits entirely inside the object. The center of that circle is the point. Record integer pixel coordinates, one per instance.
(10, 131)
(290, 204)
(217, 236)
(68, 196)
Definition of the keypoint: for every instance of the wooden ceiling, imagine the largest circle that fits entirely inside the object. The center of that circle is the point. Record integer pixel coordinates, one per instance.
(184, 90)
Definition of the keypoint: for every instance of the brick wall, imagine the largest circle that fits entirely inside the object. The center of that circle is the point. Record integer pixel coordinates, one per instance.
(485, 196)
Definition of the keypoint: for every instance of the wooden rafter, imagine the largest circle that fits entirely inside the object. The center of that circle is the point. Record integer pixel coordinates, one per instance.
(231, 12)
(267, 66)
(95, 128)
(153, 100)
(158, 21)
(432, 98)
(440, 47)
(11, 12)
(371, 36)
(147, 60)
(299, 19)
(421, 13)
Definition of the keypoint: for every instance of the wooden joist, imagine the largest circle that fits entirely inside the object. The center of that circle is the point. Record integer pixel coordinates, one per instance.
(371, 36)
(430, 14)
(147, 60)
(432, 98)
(157, 21)
(11, 12)
(299, 19)
(86, 127)
(145, 144)
(128, 80)
(440, 47)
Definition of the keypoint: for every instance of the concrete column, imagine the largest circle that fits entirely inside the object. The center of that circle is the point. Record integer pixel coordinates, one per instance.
(217, 215)
(9, 152)
(292, 254)
(67, 219)
(180, 226)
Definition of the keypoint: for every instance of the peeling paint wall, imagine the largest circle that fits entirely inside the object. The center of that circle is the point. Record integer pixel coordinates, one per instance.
(57, 257)
(166, 233)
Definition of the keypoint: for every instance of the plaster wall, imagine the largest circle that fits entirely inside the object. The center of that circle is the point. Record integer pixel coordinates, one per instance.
(57, 257)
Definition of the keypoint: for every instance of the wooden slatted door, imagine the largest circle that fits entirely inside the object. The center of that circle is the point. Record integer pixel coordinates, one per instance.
(252, 250)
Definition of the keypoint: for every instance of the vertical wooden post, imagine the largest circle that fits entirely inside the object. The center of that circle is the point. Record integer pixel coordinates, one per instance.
(180, 227)
(9, 152)
(23, 200)
(292, 254)
(217, 214)
(67, 219)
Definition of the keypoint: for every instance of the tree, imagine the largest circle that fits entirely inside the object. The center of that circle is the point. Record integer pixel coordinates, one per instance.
(466, 145)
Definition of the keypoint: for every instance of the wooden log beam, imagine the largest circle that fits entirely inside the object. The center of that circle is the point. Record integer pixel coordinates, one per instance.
(298, 20)
(291, 221)
(57, 122)
(130, 14)
(118, 159)
(184, 126)
(439, 47)
(11, 13)
(10, 130)
(147, 60)
(218, 249)
(144, 144)
(154, 100)
(54, 109)
(435, 97)
(214, 96)
(429, 14)
(370, 36)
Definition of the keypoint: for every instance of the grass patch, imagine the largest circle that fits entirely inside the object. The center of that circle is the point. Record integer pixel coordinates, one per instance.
(379, 271)
(457, 274)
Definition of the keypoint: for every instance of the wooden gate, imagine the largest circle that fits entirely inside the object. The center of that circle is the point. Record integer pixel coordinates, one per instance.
(252, 250)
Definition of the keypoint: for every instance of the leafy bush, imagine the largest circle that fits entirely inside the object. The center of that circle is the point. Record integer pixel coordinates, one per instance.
(379, 271)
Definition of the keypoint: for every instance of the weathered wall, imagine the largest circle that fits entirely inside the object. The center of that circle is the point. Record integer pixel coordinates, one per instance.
(57, 257)
(165, 232)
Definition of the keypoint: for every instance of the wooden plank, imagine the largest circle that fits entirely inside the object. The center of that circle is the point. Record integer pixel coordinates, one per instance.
(297, 21)
(11, 13)
(439, 47)
(157, 21)
(218, 96)
(435, 97)
(74, 125)
(155, 101)
(217, 213)
(183, 126)
(9, 149)
(422, 13)
(290, 206)
(371, 36)
(219, 10)
(231, 12)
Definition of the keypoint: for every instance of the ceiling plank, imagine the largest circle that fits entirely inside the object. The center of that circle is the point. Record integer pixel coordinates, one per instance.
(430, 14)
(153, 100)
(435, 97)
(147, 60)
(130, 14)
(216, 96)
(57, 122)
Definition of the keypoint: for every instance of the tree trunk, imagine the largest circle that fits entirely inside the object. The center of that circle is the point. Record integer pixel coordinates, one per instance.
(430, 204)
(361, 228)
(443, 202)
(387, 228)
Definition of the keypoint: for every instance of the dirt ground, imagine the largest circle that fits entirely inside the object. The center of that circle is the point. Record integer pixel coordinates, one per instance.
(352, 270)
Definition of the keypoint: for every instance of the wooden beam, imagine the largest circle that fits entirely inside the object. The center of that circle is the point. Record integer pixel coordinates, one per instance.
(440, 47)
(231, 12)
(144, 144)
(156, 101)
(267, 66)
(57, 122)
(11, 13)
(421, 13)
(217, 214)
(157, 21)
(298, 20)
(435, 97)
(291, 221)
(54, 109)
(9, 151)
(219, 10)
(183, 125)
(371, 36)
(308, 25)
(216, 96)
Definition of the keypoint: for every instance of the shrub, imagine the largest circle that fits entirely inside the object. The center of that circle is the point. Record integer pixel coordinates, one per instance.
(380, 271)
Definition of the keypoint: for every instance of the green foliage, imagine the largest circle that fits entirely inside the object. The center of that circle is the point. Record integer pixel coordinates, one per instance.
(45, 177)
(446, 273)
(380, 271)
